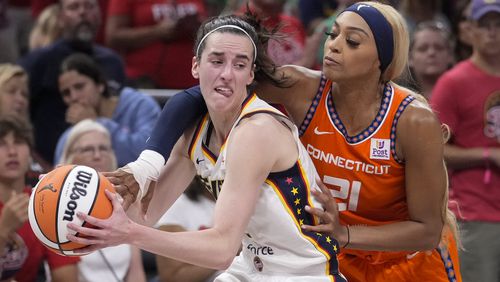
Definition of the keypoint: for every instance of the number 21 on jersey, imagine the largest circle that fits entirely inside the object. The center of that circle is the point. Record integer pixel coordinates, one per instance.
(347, 191)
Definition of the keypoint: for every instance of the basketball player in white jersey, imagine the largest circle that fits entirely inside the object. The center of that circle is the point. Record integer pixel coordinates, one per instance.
(250, 158)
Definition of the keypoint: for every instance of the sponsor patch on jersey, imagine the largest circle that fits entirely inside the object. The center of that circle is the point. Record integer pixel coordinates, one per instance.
(380, 149)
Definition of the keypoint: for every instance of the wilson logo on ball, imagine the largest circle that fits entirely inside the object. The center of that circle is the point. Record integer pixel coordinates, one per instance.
(79, 190)
(58, 196)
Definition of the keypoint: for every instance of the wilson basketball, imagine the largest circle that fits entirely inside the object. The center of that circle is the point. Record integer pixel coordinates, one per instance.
(56, 199)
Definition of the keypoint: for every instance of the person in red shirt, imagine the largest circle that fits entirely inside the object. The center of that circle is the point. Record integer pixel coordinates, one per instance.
(21, 253)
(290, 48)
(467, 98)
(156, 39)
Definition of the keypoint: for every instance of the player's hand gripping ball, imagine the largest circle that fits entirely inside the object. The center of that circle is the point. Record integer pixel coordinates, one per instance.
(56, 199)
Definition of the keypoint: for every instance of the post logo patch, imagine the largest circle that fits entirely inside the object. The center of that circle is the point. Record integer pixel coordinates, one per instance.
(380, 149)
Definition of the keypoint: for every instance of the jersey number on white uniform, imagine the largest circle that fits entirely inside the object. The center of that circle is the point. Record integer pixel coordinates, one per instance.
(347, 191)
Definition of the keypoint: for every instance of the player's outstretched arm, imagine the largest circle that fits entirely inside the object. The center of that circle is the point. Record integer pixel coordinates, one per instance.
(180, 112)
(252, 153)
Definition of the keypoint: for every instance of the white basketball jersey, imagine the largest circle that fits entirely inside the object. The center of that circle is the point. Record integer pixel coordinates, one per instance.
(274, 247)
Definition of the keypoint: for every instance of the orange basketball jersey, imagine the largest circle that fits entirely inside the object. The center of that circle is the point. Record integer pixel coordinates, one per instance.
(362, 171)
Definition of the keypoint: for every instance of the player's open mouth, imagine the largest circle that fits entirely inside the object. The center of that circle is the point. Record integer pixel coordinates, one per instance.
(224, 91)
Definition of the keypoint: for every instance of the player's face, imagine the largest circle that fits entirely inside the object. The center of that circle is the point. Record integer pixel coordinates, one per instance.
(14, 157)
(431, 54)
(77, 88)
(225, 70)
(14, 96)
(350, 51)
(93, 149)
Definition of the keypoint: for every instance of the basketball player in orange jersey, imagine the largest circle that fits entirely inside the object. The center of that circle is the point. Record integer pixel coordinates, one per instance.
(377, 147)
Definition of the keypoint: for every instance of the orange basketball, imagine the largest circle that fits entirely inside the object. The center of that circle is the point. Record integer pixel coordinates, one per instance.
(56, 199)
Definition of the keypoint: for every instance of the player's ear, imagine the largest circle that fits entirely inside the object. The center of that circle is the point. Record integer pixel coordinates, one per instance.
(252, 75)
(194, 68)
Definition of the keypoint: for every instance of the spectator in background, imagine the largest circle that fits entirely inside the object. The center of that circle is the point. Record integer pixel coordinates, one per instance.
(200, 204)
(313, 12)
(15, 26)
(37, 7)
(9, 49)
(417, 11)
(431, 54)
(21, 253)
(89, 143)
(80, 20)
(290, 47)
(156, 39)
(462, 30)
(47, 28)
(324, 26)
(13, 91)
(215, 7)
(128, 116)
(467, 98)
(14, 102)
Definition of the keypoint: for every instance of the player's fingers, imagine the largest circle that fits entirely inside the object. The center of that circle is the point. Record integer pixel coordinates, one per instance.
(322, 228)
(91, 220)
(83, 240)
(127, 201)
(115, 200)
(108, 173)
(113, 179)
(133, 188)
(88, 232)
(121, 189)
(325, 198)
(117, 173)
(321, 185)
(321, 197)
(314, 211)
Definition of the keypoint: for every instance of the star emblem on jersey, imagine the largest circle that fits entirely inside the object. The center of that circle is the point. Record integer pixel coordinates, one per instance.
(295, 193)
